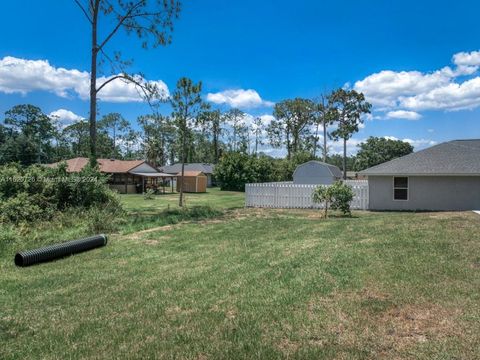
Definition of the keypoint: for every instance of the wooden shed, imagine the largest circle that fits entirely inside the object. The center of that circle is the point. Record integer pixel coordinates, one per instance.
(194, 181)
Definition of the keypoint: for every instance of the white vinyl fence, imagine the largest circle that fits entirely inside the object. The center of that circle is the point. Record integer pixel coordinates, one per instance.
(300, 196)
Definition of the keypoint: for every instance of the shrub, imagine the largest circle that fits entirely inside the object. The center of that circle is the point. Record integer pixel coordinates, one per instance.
(24, 207)
(149, 194)
(284, 168)
(337, 196)
(105, 217)
(37, 192)
(342, 196)
(236, 169)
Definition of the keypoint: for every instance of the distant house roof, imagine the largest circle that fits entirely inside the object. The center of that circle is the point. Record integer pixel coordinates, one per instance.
(105, 165)
(176, 168)
(191, 173)
(457, 157)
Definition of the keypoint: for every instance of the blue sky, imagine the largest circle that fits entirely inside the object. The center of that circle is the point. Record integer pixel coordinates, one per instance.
(417, 61)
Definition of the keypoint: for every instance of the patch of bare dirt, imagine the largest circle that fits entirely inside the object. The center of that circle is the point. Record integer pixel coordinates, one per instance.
(475, 265)
(405, 325)
(287, 346)
(370, 317)
(151, 242)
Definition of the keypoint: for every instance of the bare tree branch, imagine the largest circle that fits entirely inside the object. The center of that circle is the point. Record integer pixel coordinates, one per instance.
(121, 76)
(119, 24)
(84, 11)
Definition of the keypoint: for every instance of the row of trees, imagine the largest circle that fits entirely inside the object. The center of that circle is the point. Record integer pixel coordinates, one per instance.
(29, 136)
(298, 122)
(236, 169)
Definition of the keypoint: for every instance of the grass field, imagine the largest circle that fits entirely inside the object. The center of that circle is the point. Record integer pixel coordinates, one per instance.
(255, 284)
(222, 200)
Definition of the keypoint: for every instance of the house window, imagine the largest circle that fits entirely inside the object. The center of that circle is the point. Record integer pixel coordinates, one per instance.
(400, 188)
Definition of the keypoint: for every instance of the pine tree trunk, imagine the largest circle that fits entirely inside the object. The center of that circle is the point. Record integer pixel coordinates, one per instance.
(324, 142)
(93, 89)
(344, 159)
(184, 149)
(215, 146)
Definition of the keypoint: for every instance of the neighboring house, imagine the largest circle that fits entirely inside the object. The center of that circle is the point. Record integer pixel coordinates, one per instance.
(443, 177)
(316, 172)
(205, 168)
(126, 176)
(194, 181)
(354, 175)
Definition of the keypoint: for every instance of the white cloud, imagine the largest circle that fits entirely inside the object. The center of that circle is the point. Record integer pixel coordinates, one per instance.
(467, 59)
(416, 91)
(23, 76)
(64, 117)
(403, 114)
(421, 143)
(239, 98)
(416, 143)
(267, 119)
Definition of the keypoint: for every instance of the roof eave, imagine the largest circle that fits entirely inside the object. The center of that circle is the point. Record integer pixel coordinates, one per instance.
(416, 174)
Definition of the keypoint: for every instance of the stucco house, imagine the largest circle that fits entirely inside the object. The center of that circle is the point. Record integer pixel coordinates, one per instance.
(205, 168)
(316, 172)
(442, 177)
(126, 176)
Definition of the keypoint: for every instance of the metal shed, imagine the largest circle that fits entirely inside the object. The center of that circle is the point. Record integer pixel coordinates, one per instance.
(316, 172)
(193, 181)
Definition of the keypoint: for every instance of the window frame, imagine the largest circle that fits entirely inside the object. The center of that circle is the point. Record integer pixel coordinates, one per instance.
(401, 188)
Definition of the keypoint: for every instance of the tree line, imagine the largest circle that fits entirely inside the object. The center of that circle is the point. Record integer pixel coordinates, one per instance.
(193, 132)
(28, 136)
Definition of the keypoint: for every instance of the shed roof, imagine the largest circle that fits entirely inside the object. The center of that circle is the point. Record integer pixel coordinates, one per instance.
(456, 157)
(191, 173)
(334, 170)
(176, 168)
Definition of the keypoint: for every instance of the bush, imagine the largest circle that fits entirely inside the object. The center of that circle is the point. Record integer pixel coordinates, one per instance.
(236, 169)
(337, 196)
(105, 217)
(37, 192)
(284, 168)
(24, 207)
(149, 194)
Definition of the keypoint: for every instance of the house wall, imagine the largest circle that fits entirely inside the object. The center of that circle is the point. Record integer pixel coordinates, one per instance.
(131, 189)
(313, 173)
(426, 193)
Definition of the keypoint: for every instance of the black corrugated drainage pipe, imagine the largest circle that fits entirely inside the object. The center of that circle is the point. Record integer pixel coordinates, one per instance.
(47, 253)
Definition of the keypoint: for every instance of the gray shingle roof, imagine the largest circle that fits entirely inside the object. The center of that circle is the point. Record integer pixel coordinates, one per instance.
(176, 168)
(457, 157)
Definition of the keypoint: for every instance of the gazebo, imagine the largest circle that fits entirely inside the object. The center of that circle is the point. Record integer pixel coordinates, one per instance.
(150, 180)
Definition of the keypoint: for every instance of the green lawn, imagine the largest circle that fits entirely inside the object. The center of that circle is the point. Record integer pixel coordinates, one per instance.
(135, 204)
(255, 284)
